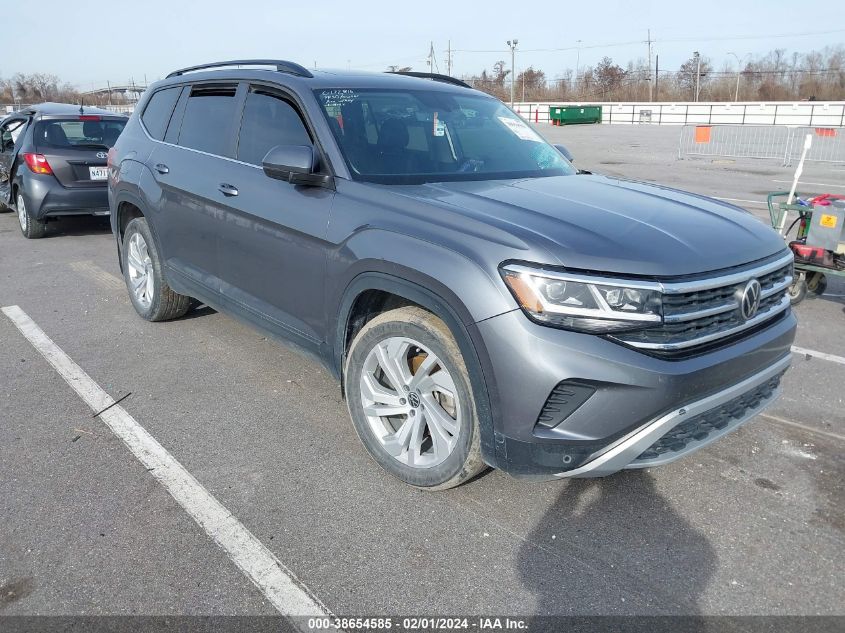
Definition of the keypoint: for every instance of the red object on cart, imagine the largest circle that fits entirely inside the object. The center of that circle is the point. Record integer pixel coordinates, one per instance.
(825, 200)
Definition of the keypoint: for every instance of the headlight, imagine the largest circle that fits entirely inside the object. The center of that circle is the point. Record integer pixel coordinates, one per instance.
(584, 303)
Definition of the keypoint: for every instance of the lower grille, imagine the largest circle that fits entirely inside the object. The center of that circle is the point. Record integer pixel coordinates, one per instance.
(697, 429)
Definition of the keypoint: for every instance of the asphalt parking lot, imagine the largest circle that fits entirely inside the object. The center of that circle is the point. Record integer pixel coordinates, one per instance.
(754, 524)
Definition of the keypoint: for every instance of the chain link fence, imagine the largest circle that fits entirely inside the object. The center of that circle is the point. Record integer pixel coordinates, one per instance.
(8, 108)
(762, 141)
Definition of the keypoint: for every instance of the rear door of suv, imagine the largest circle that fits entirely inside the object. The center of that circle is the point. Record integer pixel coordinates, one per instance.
(194, 158)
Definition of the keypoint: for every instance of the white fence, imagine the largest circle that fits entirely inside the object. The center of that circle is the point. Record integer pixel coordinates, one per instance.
(763, 141)
(802, 113)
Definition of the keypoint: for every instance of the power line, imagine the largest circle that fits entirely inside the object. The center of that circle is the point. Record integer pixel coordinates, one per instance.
(658, 41)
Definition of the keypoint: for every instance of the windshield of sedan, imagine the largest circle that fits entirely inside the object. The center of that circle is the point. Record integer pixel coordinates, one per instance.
(415, 136)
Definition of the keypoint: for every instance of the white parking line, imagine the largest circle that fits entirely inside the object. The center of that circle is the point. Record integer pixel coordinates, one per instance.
(765, 204)
(814, 184)
(823, 355)
(287, 594)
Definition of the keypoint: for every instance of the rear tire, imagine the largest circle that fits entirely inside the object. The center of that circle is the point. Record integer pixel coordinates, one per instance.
(418, 418)
(151, 297)
(31, 227)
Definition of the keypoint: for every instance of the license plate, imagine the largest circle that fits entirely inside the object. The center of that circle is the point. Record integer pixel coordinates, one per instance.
(98, 173)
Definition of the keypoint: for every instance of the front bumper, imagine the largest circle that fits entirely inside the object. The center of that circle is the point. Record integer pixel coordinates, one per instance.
(688, 428)
(638, 398)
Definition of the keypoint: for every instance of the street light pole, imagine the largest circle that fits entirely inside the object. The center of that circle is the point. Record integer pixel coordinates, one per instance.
(697, 72)
(577, 62)
(738, 75)
(512, 44)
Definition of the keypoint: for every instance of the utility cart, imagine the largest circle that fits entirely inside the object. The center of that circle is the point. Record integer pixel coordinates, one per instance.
(819, 238)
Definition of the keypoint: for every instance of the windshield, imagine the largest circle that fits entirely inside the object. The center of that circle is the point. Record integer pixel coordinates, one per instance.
(78, 132)
(413, 136)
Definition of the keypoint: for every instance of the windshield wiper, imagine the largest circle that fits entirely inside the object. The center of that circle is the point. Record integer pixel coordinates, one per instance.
(91, 145)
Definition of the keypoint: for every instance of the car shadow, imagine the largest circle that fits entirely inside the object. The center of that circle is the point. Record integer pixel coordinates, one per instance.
(198, 311)
(615, 547)
(77, 226)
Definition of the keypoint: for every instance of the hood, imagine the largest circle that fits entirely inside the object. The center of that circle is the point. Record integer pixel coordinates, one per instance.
(602, 224)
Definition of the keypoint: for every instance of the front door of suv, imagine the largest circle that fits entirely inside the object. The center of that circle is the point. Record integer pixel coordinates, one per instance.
(190, 167)
(272, 249)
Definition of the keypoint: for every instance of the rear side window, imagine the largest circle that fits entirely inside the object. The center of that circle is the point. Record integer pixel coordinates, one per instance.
(78, 133)
(268, 120)
(208, 118)
(158, 111)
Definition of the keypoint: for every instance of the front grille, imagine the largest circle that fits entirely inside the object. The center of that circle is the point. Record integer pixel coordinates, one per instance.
(712, 310)
(700, 427)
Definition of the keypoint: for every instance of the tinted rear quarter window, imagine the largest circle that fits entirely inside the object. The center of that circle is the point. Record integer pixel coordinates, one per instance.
(208, 118)
(159, 110)
(268, 120)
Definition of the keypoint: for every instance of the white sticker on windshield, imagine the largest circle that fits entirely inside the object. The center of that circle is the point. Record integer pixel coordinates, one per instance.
(521, 129)
(439, 127)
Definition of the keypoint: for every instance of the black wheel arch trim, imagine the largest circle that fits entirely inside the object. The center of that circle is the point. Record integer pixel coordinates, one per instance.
(448, 308)
(131, 198)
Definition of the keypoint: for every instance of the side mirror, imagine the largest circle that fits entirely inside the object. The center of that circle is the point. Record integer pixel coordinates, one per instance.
(295, 164)
(566, 153)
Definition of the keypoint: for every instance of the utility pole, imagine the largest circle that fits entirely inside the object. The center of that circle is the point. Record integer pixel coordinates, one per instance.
(657, 77)
(697, 72)
(512, 43)
(449, 57)
(650, 82)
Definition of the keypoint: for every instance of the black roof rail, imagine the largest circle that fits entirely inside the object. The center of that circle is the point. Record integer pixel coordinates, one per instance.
(446, 79)
(281, 65)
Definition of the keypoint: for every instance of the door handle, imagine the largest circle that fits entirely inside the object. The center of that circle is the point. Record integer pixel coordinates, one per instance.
(227, 190)
(162, 168)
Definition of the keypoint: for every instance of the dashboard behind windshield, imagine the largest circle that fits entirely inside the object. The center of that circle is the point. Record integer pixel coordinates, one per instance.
(413, 136)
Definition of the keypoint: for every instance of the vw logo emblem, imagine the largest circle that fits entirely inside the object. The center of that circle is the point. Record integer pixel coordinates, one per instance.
(413, 400)
(102, 155)
(750, 301)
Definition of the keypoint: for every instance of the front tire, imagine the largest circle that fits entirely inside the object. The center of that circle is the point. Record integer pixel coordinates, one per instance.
(410, 398)
(31, 227)
(152, 298)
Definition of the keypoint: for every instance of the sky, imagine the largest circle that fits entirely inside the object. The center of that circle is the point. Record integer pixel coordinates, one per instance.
(89, 43)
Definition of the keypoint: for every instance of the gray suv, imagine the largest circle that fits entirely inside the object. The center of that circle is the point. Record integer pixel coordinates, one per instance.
(482, 302)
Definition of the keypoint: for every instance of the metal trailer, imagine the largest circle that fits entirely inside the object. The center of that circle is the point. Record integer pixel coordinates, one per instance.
(826, 231)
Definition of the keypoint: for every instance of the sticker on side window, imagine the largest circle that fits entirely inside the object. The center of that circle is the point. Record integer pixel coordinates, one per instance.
(439, 128)
(521, 129)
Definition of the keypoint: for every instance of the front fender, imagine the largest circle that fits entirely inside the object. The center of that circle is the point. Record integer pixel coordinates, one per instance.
(444, 282)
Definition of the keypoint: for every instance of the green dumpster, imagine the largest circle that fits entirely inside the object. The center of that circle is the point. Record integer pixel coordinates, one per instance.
(571, 115)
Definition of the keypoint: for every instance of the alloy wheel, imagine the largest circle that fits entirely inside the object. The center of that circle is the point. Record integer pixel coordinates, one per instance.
(410, 402)
(22, 216)
(140, 269)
